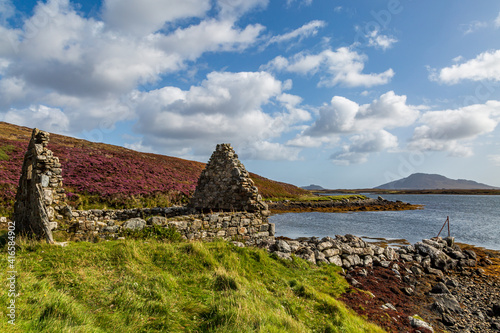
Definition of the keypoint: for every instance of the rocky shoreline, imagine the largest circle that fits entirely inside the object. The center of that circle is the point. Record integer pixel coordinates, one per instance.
(332, 206)
(431, 286)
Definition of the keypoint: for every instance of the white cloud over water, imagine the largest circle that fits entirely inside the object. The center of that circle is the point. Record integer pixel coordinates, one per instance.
(453, 130)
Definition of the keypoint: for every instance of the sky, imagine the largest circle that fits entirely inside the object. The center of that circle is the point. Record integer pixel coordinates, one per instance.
(343, 94)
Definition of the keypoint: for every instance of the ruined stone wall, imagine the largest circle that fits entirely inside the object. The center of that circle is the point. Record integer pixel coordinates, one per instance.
(40, 197)
(225, 185)
(249, 228)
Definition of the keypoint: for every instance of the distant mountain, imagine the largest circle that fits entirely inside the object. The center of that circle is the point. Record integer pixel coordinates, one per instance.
(424, 181)
(312, 187)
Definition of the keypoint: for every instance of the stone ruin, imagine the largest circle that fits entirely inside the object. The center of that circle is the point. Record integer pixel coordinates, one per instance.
(225, 185)
(40, 198)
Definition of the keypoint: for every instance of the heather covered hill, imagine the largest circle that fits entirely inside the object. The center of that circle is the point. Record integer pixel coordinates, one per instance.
(102, 175)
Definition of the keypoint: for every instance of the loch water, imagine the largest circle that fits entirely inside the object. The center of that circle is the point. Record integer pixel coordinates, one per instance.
(474, 219)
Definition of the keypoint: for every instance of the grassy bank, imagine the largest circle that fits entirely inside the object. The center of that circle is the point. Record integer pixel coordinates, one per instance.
(152, 286)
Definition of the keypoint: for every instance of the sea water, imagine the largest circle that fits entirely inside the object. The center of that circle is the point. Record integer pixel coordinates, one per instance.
(474, 219)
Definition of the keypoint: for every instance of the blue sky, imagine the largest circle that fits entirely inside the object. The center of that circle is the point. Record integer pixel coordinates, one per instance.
(345, 94)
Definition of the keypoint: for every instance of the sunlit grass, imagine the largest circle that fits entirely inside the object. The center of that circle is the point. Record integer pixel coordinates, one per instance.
(152, 286)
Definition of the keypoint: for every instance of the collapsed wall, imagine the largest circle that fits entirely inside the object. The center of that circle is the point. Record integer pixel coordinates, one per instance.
(40, 197)
(225, 185)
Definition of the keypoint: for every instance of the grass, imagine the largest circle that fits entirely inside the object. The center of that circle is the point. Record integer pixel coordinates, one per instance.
(153, 286)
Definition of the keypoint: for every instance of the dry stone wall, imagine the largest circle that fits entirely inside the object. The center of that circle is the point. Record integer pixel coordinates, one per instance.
(40, 198)
(225, 185)
(248, 228)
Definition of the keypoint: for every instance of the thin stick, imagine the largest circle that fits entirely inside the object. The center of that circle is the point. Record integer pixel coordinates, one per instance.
(447, 221)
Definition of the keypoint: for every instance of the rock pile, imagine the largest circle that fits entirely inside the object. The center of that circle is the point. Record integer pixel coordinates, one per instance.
(430, 256)
(40, 198)
(434, 277)
(225, 185)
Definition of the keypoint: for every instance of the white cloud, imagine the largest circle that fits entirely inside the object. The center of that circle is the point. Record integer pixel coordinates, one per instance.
(233, 9)
(226, 107)
(495, 159)
(375, 39)
(7, 10)
(486, 66)
(342, 66)
(307, 30)
(473, 27)
(364, 144)
(454, 130)
(208, 36)
(497, 21)
(147, 16)
(43, 117)
(364, 125)
(343, 116)
(87, 68)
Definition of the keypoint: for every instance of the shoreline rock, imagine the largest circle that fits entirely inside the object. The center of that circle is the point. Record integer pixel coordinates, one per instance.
(447, 286)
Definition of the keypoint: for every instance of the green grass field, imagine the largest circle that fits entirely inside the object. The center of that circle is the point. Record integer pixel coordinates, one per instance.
(156, 286)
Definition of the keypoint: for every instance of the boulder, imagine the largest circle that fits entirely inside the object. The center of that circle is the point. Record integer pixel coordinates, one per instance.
(282, 246)
(157, 220)
(446, 303)
(418, 323)
(336, 260)
(324, 246)
(134, 224)
(440, 288)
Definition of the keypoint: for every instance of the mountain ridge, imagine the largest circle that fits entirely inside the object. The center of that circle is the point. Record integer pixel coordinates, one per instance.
(425, 181)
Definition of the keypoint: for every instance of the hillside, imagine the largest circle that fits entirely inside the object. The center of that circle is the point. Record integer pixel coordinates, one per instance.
(98, 175)
(423, 181)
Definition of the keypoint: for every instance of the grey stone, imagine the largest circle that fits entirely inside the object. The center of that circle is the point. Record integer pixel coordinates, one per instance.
(157, 220)
(331, 252)
(336, 260)
(471, 254)
(134, 224)
(391, 254)
(282, 246)
(417, 323)
(440, 288)
(368, 261)
(446, 303)
(283, 255)
(324, 246)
